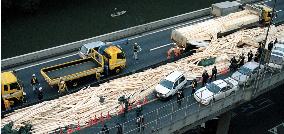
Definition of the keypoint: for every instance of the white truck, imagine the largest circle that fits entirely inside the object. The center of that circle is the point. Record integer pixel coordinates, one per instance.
(220, 26)
(276, 60)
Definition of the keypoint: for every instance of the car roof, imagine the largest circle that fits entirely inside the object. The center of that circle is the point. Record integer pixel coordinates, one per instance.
(220, 83)
(173, 76)
(251, 65)
(7, 78)
(94, 44)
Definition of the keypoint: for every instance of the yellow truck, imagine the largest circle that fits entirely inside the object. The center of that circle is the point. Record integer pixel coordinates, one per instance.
(11, 89)
(95, 64)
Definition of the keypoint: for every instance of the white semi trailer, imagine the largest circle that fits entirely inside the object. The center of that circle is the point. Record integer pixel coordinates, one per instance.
(219, 26)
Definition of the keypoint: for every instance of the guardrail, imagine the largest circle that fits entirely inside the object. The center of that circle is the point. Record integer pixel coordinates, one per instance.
(70, 47)
(54, 51)
(173, 116)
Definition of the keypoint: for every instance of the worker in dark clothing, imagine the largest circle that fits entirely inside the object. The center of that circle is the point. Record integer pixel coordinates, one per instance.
(179, 97)
(270, 45)
(205, 78)
(34, 82)
(119, 128)
(140, 123)
(214, 73)
(126, 104)
(106, 69)
(241, 60)
(250, 56)
(256, 57)
(276, 41)
(105, 130)
(233, 65)
(136, 49)
(40, 94)
(193, 86)
(138, 110)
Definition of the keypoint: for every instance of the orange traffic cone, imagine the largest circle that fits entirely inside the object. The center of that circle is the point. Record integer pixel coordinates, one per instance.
(61, 131)
(101, 118)
(78, 126)
(108, 115)
(145, 101)
(70, 130)
(95, 120)
(121, 110)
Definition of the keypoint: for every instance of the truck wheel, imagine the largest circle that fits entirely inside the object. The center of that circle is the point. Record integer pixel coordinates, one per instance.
(117, 70)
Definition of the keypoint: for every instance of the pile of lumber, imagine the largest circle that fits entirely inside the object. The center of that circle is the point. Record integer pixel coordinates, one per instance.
(85, 104)
(208, 30)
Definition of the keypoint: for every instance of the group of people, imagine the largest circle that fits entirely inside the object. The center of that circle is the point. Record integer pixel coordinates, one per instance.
(38, 90)
(235, 64)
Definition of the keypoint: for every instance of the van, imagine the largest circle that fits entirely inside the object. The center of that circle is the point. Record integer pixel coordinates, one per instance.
(171, 84)
(277, 57)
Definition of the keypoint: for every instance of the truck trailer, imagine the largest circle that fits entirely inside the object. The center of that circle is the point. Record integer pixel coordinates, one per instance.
(252, 15)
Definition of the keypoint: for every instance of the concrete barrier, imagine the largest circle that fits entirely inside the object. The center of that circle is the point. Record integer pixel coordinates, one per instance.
(70, 47)
(55, 51)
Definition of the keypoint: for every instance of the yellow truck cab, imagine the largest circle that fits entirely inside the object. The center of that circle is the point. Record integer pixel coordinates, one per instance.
(115, 58)
(266, 14)
(10, 88)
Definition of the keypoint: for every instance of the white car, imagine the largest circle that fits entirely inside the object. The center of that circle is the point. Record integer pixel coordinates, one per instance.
(170, 85)
(247, 72)
(216, 90)
(85, 50)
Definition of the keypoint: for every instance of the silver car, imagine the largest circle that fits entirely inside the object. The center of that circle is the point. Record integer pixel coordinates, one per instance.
(248, 72)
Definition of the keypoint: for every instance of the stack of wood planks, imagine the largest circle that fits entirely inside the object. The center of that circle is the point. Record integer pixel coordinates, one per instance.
(85, 104)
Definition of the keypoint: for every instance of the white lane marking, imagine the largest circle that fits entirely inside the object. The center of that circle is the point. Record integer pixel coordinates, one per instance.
(279, 11)
(169, 28)
(274, 130)
(161, 46)
(46, 62)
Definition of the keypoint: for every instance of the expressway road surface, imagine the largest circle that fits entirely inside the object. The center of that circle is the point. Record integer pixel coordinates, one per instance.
(154, 44)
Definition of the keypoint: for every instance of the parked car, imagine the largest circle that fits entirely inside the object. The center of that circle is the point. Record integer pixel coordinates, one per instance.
(248, 72)
(171, 84)
(216, 90)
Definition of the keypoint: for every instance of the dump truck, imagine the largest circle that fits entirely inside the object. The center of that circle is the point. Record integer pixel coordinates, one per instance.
(95, 64)
(250, 16)
(11, 89)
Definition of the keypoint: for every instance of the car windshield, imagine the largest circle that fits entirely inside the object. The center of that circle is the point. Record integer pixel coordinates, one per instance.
(277, 53)
(213, 88)
(167, 84)
(276, 59)
(229, 83)
(279, 48)
(244, 70)
(84, 50)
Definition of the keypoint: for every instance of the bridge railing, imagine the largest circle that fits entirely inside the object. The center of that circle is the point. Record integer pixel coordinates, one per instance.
(172, 117)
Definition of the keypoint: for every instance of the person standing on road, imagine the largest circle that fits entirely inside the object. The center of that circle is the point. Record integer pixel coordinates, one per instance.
(126, 104)
(241, 60)
(119, 128)
(105, 130)
(140, 123)
(179, 97)
(270, 45)
(214, 73)
(233, 65)
(138, 110)
(34, 82)
(205, 77)
(7, 104)
(40, 94)
(136, 49)
(193, 86)
(250, 56)
(62, 87)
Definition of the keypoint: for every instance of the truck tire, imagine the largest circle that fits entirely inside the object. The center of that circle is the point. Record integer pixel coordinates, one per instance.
(117, 70)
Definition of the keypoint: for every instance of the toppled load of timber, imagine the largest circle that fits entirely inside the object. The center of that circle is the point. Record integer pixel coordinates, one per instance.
(85, 104)
(209, 29)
